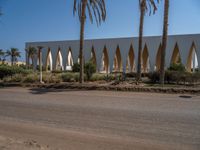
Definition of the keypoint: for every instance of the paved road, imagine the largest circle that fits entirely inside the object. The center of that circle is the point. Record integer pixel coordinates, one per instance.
(99, 120)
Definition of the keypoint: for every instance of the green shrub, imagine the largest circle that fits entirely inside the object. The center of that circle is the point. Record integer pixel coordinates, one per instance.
(17, 78)
(89, 69)
(97, 77)
(6, 70)
(46, 77)
(176, 77)
(77, 76)
(76, 67)
(68, 77)
(109, 77)
(177, 67)
(23, 66)
(55, 79)
(31, 78)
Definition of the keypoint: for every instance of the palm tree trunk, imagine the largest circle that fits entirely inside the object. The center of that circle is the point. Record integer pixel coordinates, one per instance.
(81, 80)
(12, 60)
(164, 42)
(142, 14)
(28, 61)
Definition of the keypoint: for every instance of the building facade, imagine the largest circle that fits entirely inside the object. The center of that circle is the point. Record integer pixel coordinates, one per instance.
(118, 54)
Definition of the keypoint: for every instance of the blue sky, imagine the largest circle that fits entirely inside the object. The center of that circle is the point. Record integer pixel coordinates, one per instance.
(49, 20)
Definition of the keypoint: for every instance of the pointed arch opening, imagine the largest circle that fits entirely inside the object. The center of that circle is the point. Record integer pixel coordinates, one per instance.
(93, 57)
(176, 57)
(130, 62)
(158, 58)
(117, 65)
(48, 63)
(105, 61)
(59, 61)
(145, 60)
(70, 61)
(192, 61)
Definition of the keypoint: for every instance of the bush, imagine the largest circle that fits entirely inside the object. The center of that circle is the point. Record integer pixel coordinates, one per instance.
(98, 77)
(109, 77)
(23, 66)
(55, 79)
(176, 77)
(177, 67)
(6, 70)
(68, 77)
(76, 67)
(89, 69)
(31, 78)
(17, 78)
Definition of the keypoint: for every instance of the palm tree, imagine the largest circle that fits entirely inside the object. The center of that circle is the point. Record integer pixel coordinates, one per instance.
(32, 51)
(1, 54)
(164, 42)
(14, 54)
(95, 8)
(144, 5)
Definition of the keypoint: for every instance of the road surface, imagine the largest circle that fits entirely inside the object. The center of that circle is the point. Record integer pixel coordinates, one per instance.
(97, 120)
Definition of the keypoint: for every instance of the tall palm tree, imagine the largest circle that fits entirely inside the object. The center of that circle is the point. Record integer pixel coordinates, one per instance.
(144, 6)
(32, 51)
(96, 9)
(1, 54)
(14, 54)
(164, 42)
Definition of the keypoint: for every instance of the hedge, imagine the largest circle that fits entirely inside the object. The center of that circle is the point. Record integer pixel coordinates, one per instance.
(6, 71)
(176, 77)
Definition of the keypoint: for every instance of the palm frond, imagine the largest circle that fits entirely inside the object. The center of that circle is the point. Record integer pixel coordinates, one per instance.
(95, 9)
(149, 5)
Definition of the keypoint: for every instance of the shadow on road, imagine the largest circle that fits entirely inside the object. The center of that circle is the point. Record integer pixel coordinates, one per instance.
(45, 90)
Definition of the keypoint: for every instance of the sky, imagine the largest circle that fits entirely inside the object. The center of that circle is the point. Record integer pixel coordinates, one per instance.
(53, 20)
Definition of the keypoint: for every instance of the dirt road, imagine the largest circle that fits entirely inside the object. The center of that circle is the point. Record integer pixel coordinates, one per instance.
(38, 119)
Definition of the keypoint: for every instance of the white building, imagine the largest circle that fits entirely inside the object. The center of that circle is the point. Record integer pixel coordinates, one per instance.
(119, 54)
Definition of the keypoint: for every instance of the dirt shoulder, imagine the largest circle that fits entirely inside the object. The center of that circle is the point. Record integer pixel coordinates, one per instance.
(112, 87)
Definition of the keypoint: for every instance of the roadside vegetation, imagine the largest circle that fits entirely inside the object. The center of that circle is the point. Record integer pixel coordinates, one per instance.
(175, 75)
